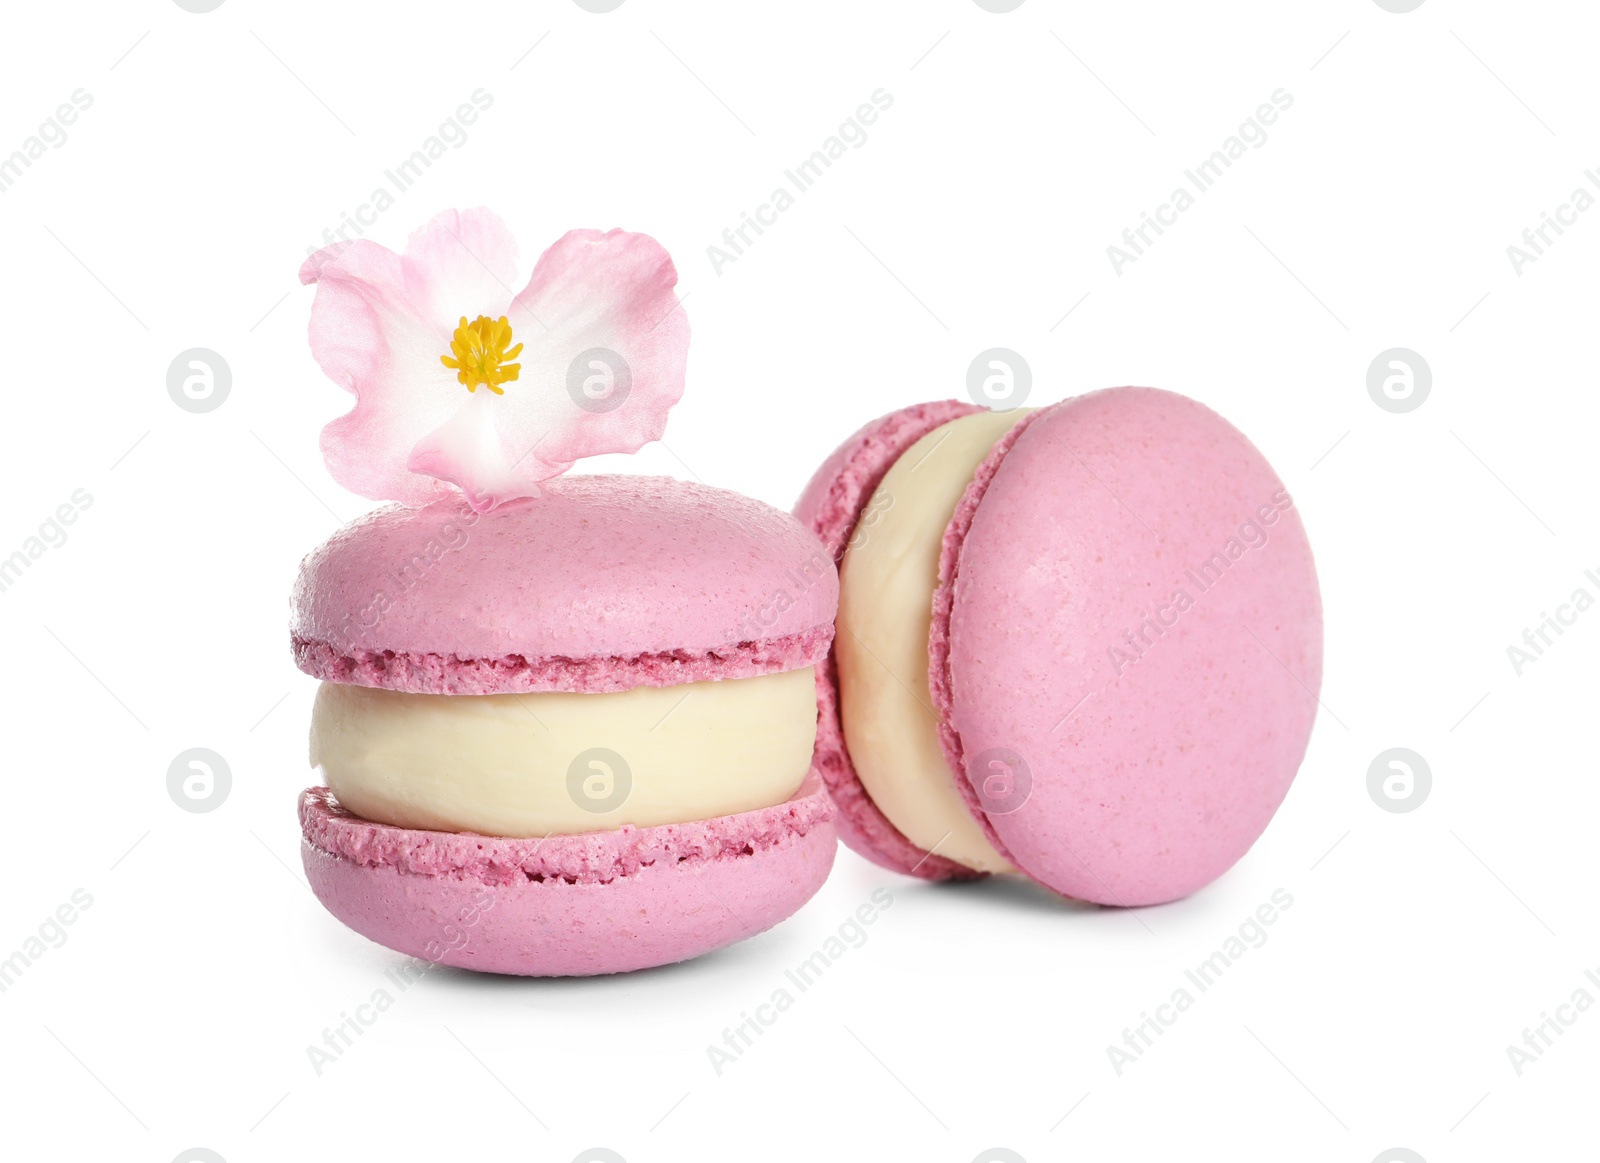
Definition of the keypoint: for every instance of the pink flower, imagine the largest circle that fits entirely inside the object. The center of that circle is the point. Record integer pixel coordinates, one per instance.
(461, 381)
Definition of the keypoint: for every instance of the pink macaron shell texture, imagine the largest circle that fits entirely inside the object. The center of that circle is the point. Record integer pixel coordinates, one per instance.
(830, 507)
(602, 583)
(568, 905)
(1131, 607)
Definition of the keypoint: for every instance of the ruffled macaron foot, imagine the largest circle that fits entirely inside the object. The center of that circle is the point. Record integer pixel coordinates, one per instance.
(573, 905)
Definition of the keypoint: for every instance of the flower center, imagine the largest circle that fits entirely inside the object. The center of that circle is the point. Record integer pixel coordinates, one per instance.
(478, 353)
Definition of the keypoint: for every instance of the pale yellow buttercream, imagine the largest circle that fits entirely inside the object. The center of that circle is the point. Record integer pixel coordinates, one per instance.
(886, 584)
(535, 764)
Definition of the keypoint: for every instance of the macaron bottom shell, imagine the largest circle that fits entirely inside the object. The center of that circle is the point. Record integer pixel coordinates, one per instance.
(568, 905)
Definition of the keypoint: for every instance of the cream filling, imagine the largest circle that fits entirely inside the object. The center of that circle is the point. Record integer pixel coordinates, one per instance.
(886, 584)
(536, 764)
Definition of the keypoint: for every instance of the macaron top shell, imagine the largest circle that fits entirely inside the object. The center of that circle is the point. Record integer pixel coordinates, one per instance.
(602, 583)
(1128, 631)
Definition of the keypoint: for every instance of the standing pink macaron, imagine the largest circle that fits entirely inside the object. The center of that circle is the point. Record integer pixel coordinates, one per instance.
(571, 735)
(566, 725)
(1082, 643)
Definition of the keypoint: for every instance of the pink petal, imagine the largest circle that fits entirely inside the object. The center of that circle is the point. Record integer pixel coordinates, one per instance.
(369, 339)
(610, 291)
(463, 262)
(469, 451)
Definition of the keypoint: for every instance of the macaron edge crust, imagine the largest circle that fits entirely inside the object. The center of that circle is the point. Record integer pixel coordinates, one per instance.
(437, 673)
(939, 678)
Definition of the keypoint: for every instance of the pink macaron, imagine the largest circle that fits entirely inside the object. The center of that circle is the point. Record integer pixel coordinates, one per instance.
(1123, 644)
(460, 651)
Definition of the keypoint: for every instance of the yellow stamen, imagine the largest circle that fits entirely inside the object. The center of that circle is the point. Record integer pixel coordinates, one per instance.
(479, 354)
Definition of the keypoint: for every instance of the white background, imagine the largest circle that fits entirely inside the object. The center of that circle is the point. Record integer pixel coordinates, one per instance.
(218, 147)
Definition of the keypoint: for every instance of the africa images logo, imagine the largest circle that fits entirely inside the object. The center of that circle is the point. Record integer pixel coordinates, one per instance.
(1251, 535)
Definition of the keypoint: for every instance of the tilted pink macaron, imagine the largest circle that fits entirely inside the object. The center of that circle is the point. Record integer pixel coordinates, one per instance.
(1120, 640)
(654, 633)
